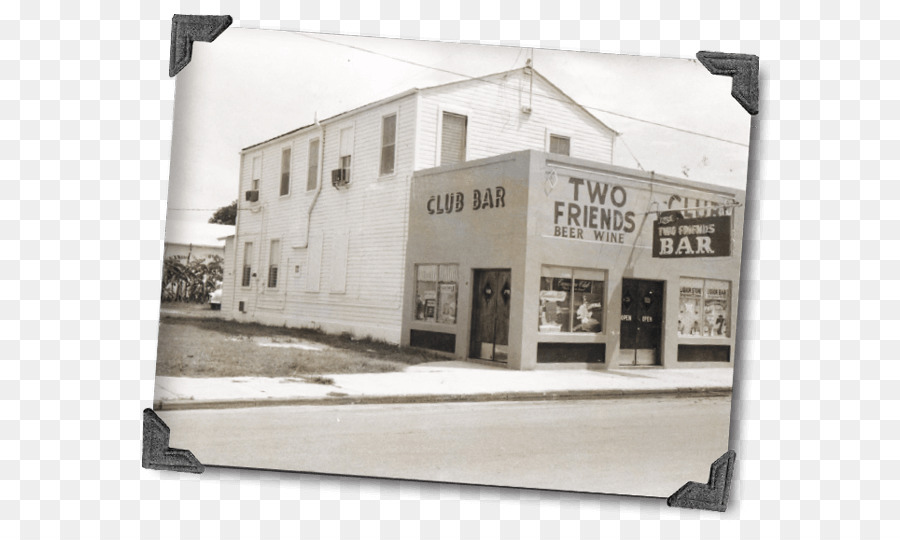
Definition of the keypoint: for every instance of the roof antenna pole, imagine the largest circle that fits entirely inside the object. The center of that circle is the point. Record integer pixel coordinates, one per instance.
(530, 64)
(526, 109)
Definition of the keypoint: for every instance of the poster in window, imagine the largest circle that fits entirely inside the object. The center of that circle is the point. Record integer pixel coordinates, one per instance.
(571, 305)
(716, 309)
(447, 303)
(425, 290)
(554, 311)
(588, 297)
(430, 298)
(566, 284)
(690, 307)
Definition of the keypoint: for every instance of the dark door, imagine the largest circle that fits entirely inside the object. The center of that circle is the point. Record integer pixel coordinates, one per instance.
(490, 314)
(642, 319)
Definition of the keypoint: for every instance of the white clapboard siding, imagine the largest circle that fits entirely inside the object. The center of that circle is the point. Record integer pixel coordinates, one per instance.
(228, 271)
(496, 124)
(355, 282)
(347, 272)
(314, 262)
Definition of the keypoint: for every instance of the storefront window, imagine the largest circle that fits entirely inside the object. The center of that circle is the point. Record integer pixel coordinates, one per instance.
(436, 288)
(704, 308)
(571, 300)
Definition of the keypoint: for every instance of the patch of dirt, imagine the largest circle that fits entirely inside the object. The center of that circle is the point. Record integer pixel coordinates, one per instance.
(195, 347)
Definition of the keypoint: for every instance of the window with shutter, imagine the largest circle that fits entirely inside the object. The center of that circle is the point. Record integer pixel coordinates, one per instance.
(388, 143)
(312, 168)
(346, 152)
(248, 261)
(255, 173)
(453, 138)
(274, 259)
(285, 171)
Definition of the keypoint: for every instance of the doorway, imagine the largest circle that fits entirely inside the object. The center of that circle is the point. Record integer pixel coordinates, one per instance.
(641, 324)
(491, 294)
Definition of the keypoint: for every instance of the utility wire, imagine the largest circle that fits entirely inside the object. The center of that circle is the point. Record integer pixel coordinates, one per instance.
(625, 144)
(484, 78)
(202, 209)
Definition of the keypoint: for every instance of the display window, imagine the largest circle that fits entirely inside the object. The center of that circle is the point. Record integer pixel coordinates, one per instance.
(436, 292)
(571, 300)
(704, 308)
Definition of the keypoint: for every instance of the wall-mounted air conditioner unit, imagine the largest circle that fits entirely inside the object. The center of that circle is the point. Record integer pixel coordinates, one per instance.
(252, 195)
(340, 178)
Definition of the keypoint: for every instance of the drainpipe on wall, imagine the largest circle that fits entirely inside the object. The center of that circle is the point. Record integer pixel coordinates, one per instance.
(237, 222)
(312, 205)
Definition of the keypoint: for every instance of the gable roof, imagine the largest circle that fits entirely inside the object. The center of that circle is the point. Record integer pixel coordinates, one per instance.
(565, 97)
(484, 78)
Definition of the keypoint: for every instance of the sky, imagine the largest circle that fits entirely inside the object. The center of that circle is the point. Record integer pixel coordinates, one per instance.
(250, 85)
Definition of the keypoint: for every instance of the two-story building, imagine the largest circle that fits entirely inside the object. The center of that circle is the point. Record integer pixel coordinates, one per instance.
(385, 220)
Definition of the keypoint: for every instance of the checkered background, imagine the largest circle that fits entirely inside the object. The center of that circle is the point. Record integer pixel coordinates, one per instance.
(85, 129)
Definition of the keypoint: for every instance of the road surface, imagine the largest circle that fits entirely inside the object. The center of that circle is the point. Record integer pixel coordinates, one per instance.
(638, 446)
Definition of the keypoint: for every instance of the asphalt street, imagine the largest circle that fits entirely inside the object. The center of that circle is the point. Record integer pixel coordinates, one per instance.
(645, 446)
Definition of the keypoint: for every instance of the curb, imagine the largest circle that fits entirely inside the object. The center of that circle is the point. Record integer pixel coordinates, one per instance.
(566, 395)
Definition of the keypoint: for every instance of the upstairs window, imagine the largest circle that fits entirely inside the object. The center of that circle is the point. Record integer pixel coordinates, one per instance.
(559, 144)
(388, 143)
(312, 168)
(256, 172)
(453, 138)
(285, 172)
(346, 152)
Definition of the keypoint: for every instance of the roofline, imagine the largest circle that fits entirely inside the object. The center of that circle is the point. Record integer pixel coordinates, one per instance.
(652, 177)
(539, 74)
(595, 167)
(413, 91)
(579, 105)
(332, 119)
(467, 79)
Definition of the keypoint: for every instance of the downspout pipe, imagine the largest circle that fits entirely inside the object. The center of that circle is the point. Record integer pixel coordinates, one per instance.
(236, 241)
(319, 182)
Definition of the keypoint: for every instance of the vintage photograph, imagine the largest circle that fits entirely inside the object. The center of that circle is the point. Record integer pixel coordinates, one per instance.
(452, 262)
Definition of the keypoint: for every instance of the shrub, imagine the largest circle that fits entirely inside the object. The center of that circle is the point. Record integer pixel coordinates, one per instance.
(190, 281)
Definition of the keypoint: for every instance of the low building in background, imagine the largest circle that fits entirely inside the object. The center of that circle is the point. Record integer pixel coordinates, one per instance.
(191, 240)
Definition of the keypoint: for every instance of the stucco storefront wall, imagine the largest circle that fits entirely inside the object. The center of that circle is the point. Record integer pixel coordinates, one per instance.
(624, 248)
(563, 212)
(471, 234)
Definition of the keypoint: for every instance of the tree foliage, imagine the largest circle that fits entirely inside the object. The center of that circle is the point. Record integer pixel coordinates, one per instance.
(190, 280)
(227, 215)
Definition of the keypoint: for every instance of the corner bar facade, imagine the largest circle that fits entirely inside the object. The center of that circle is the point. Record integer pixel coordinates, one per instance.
(534, 260)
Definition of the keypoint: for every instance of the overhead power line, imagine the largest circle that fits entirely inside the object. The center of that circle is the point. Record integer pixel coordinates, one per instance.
(625, 144)
(484, 79)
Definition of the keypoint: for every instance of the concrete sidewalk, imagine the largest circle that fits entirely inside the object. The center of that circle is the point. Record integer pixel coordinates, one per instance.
(437, 382)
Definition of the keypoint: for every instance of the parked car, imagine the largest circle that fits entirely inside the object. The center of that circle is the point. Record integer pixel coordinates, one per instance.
(215, 299)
